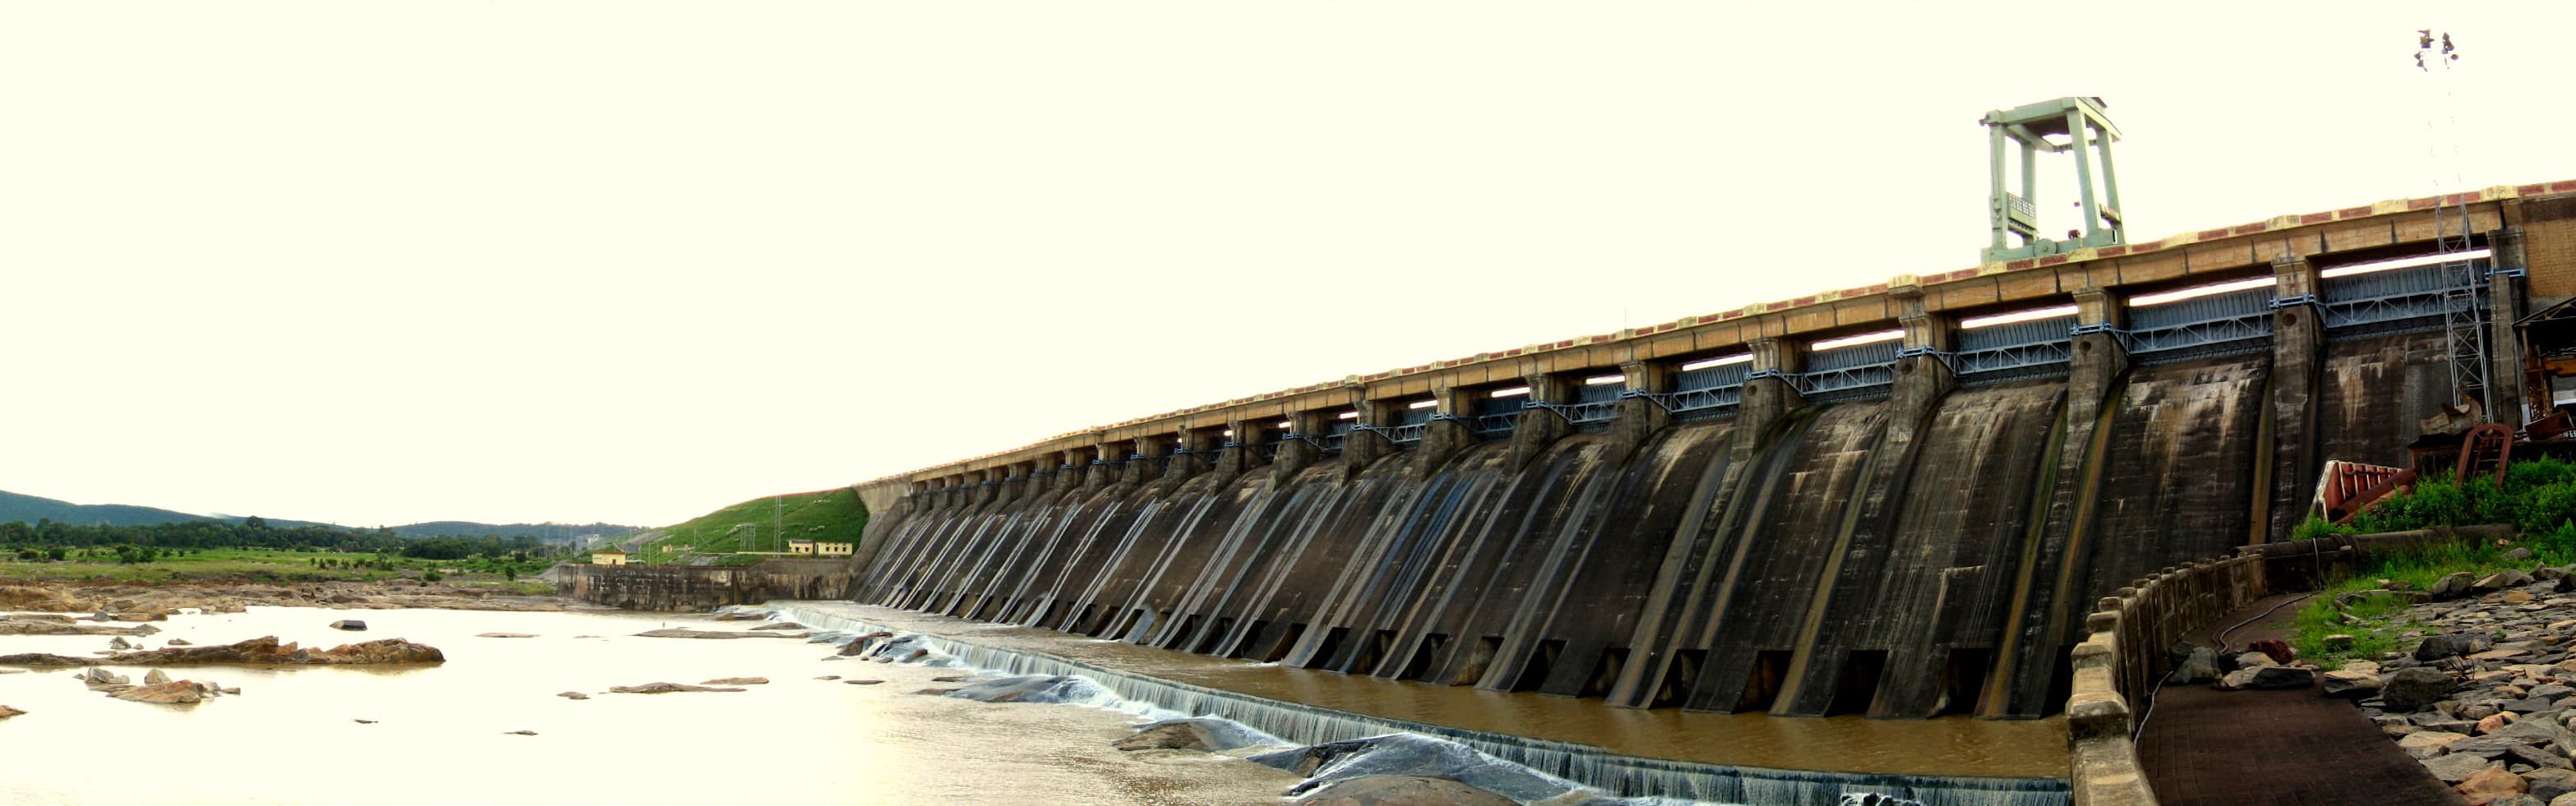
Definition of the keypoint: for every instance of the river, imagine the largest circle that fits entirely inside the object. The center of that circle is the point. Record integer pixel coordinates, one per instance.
(442, 734)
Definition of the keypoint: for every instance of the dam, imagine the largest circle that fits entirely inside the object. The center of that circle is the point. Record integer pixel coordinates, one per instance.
(1898, 501)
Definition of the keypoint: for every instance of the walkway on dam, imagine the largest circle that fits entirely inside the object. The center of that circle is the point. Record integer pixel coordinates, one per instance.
(2205, 747)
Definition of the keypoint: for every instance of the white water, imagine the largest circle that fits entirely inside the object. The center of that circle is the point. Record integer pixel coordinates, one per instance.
(1673, 781)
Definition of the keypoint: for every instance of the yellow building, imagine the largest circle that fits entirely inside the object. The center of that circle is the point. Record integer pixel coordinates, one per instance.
(609, 556)
(831, 549)
(800, 547)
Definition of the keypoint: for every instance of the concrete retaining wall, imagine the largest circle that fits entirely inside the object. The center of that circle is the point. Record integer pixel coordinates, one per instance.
(698, 587)
(2118, 665)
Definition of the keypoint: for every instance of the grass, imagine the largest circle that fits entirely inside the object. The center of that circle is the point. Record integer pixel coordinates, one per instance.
(2382, 621)
(262, 565)
(760, 524)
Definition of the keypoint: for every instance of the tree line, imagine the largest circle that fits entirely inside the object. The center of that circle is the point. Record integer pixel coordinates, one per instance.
(256, 533)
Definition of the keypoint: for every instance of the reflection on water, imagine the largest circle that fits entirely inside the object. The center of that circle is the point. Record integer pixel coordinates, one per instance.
(1955, 746)
(441, 732)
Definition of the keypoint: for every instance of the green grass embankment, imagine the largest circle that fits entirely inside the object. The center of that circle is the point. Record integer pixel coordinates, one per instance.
(760, 524)
(2538, 498)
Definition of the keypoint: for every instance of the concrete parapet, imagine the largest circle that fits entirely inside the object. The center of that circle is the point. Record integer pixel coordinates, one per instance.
(2119, 662)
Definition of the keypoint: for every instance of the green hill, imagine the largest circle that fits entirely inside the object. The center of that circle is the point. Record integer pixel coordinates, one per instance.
(760, 524)
(29, 508)
(16, 507)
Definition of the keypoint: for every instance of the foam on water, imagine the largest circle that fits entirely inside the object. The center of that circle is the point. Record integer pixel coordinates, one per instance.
(1643, 780)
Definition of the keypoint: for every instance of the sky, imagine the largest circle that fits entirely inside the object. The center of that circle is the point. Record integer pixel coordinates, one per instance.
(374, 263)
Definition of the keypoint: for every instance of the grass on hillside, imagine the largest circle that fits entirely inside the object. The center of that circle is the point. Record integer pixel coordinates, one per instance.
(760, 524)
(268, 565)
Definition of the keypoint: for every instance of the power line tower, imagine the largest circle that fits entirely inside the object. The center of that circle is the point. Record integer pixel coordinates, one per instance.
(2464, 325)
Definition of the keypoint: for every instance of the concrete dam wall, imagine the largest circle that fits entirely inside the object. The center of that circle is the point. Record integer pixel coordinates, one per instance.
(1768, 519)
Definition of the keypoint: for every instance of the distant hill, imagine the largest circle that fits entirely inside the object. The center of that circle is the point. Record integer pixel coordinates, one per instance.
(15, 507)
(18, 507)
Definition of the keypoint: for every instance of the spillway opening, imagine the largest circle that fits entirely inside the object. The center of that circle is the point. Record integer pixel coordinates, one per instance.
(1332, 643)
(1180, 637)
(1480, 660)
(1857, 687)
(1534, 673)
(1963, 676)
(1244, 650)
(1679, 678)
(1207, 645)
(1762, 685)
(2061, 683)
(1419, 666)
(1286, 642)
(1606, 673)
(1379, 644)
(1055, 612)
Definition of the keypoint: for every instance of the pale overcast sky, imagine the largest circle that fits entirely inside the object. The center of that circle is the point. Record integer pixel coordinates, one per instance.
(375, 263)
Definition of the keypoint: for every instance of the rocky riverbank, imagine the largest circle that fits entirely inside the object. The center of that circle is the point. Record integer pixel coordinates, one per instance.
(2483, 688)
(131, 602)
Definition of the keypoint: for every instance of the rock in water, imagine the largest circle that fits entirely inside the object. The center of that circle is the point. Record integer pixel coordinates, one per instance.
(519, 733)
(155, 677)
(1201, 734)
(1401, 790)
(572, 695)
(862, 682)
(663, 688)
(736, 681)
(7, 712)
(175, 692)
(348, 624)
(782, 625)
(503, 635)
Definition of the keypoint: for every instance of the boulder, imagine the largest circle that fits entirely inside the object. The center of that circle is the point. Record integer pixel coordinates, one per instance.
(2457, 767)
(101, 678)
(2428, 743)
(350, 624)
(2415, 688)
(2490, 785)
(1204, 735)
(175, 692)
(2198, 665)
(862, 682)
(735, 681)
(1404, 754)
(7, 712)
(2501, 580)
(2519, 554)
(2451, 587)
(2437, 647)
(572, 695)
(682, 632)
(2548, 784)
(665, 688)
(2537, 757)
(2271, 677)
(1401, 790)
(2348, 684)
(155, 677)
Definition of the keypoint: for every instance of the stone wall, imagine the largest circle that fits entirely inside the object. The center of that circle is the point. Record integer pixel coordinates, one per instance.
(2118, 665)
(699, 587)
